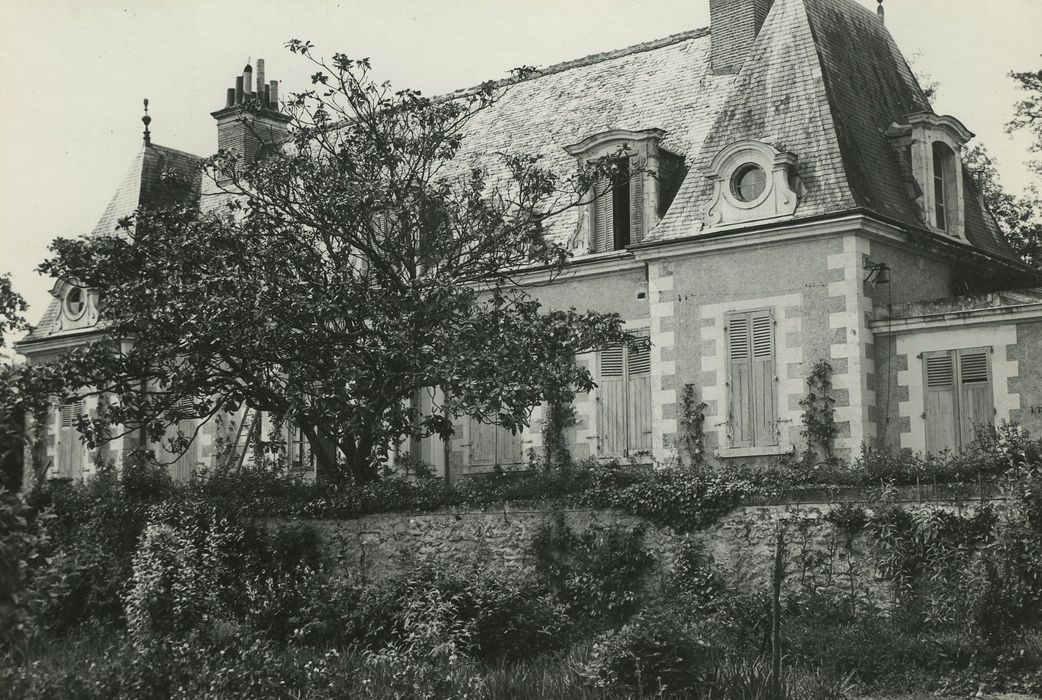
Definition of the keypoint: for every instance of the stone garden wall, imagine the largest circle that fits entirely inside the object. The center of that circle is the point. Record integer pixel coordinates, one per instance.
(817, 553)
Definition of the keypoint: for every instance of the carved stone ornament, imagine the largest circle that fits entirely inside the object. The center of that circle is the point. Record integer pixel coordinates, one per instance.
(752, 181)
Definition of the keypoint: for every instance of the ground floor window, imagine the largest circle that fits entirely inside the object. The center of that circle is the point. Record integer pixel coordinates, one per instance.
(958, 399)
(624, 400)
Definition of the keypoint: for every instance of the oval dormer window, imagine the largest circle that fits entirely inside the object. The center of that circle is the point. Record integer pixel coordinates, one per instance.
(75, 303)
(748, 182)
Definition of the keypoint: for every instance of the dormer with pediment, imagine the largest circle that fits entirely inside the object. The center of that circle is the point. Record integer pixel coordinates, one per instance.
(752, 181)
(628, 202)
(77, 307)
(929, 148)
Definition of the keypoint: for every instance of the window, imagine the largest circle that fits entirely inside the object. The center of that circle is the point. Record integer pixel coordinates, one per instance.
(748, 182)
(75, 303)
(617, 216)
(943, 184)
(71, 449)
(493, 445)
(616, 211)
(752, 419)
(958, 400)
(298, 450)
(624, 401)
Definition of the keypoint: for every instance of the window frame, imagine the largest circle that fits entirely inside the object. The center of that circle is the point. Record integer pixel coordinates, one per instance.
(961, 435)
(770, 404)
(631, 443)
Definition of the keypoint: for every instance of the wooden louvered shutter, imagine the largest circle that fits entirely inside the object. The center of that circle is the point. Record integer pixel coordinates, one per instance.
(940, 401)
(70, 447)
(508, 446)
(482, 443)
(603, 218)
(183, 466)
(637, 208)
(976, 397)
(739, 380)
(638, 399)
(763, 402)
(611, 401)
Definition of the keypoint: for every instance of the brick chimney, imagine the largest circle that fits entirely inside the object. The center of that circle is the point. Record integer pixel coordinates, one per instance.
(251, 118)
(734, 25)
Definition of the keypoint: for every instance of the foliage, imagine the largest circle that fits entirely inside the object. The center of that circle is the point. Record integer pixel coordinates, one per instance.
(653, 652)
(692, 426)
(24, 545)
(819, 423)
(352, 268)
(1019, 216)
(596, 574)
(559, 417)
(1028, 111)
(679, 498)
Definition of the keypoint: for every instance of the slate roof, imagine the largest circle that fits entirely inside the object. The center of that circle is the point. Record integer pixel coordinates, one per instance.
(825, 80)
(157, 176)
(665, 84)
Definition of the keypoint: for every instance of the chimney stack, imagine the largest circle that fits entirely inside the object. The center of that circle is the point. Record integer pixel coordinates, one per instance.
(733, 25)
(250, 120)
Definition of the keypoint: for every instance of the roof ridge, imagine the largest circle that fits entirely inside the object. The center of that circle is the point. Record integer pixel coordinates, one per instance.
(174, 150)
(589, 60)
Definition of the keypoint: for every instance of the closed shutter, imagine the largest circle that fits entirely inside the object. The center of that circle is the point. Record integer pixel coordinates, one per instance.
(637, 208)
(638, 374)
(185, 464)
(482, 444)
(611, 402)
(976, 398)
(508, 446)
(739, 380)
(603, 218)
(70, 446)
(765, 430)
(940, 401)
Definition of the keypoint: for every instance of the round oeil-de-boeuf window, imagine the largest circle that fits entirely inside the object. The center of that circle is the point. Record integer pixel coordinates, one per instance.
(75, 302)
(748, 182)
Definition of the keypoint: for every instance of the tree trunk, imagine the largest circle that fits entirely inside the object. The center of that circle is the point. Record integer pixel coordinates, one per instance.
(327, 471)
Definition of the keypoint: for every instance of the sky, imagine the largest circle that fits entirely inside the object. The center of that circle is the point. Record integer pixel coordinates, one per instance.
(73, 75)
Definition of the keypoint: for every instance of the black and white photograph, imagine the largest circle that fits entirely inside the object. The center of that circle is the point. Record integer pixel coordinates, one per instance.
(519, 349)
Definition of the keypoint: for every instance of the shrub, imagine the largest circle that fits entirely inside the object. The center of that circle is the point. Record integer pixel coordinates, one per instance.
(653, 651)
(596, 574)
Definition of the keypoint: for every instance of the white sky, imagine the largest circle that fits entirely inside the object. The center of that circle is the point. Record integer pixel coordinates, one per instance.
(73, 74)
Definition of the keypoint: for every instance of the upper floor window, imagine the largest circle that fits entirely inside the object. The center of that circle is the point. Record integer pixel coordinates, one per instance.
(943, 183)
(75, 303)
(639, 184)
(751, 181)
(752, 403)
(928, 149)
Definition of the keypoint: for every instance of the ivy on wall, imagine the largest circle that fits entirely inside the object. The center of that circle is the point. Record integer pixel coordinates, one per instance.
(692, 425)
(819, 423)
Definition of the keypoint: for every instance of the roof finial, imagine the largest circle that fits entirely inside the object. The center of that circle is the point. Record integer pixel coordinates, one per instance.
(146, 120)
(880, 11)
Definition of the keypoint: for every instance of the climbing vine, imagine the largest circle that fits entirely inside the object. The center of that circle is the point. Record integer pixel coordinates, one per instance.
(819, 424)
(556, 421)
(692, 424)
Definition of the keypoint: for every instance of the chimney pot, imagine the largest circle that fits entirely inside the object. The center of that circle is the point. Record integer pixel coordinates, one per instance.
(238, 90)
(230, 100)
(247, 80)
(274, 90)
(260, 78)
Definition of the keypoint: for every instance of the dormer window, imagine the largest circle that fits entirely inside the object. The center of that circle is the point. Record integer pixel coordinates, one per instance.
(633, 196)
(929, 150)
(943, 184)
(752, 181)
(75, 303)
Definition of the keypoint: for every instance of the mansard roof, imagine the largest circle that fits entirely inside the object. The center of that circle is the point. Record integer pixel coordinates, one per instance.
(157, 176)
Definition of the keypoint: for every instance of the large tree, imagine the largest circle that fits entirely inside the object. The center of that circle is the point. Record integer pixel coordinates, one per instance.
(25, 396)
(360, 263)
(1019, 216)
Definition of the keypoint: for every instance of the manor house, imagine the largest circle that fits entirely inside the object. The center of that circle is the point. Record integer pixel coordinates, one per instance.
(801, 202)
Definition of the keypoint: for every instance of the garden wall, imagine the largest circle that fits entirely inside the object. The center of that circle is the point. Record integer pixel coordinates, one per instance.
(818, 554)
